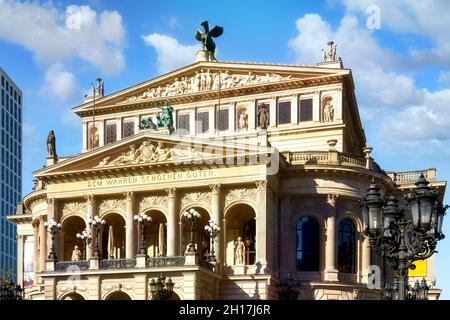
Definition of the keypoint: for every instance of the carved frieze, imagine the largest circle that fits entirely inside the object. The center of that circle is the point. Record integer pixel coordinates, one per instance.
(153, 201)
(112, 204)
(240, 194)
(205, 80)
(196, 197)
(74, 208)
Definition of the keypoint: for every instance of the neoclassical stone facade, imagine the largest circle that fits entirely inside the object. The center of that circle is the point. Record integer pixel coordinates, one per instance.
(286, 179)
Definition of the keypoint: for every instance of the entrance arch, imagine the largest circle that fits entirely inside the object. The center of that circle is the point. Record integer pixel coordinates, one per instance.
(240, 222)
(202, 241)
(72, 296)
(113, 237)
(70, 227)
(155, 234)
(118, 295)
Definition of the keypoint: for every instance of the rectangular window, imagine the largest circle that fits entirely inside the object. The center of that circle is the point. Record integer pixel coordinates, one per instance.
(202, 122)
(284, 112)
(111, 132)
(223, 120)
(183, 123)
(128, 128)
(305, 110)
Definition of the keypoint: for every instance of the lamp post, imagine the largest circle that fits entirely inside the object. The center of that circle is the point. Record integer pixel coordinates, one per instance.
(191, 217)
(161, 288)
(53, 228)
(8, 289)
(84, 237)
(141, 220)
(96, 224)
(400, 239)
(213, 230)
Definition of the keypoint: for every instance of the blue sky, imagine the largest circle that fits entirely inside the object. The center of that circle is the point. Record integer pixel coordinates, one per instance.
(54, 50)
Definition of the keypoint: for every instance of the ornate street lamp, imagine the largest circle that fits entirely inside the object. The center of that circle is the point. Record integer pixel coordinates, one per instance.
(401, 240)
(96, 225)
(141, 220)
(9, 290)
(192, 216)
(85, 237)
(53, 228)
(213, 230)
(161, 288)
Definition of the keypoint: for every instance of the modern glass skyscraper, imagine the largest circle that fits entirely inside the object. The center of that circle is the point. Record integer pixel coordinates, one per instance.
(11, 169)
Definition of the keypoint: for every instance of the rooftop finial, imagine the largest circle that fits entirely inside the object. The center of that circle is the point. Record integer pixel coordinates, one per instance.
(329, 54)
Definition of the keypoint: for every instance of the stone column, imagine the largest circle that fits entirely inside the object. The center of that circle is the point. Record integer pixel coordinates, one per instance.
(90, 201)
(129, 227)
(261, 232)
(366, 259)
(331, 272)
(51, 214)
(36, 247)
(286, 246)
(20, 242)
(217, 218)
(42, 244)
(172, 224)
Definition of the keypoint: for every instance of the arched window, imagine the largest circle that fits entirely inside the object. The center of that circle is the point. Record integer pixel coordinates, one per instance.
(308, 244)
(347, 246)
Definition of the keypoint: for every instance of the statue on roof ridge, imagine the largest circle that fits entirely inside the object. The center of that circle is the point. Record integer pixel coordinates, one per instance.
(205, 37)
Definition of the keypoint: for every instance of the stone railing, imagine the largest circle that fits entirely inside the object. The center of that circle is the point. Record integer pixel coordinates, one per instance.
(155, 262)
(324, 157)
(72, 266)
(408, 177)
(117, 263)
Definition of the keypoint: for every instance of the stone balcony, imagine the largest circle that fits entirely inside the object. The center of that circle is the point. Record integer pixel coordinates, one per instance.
(410, 177)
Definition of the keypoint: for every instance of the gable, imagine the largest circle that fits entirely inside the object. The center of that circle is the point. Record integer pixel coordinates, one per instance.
(148, 149)
(203, 80)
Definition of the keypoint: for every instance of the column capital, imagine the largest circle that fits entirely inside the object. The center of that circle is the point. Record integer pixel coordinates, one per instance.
(261, 184)
(51, 202)
(90, 198)
(129, 196)
(171, 192)
(215, 188)
(331, 199)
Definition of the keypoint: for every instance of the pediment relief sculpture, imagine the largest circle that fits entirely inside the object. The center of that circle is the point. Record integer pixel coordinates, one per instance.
(151, 152)
(205, 80)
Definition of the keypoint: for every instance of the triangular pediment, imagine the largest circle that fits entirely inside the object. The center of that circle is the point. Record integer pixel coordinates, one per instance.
(203, 80)
(150, 149)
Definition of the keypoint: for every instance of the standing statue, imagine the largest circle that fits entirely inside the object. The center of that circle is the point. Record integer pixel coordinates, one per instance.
(328, 112)
(51, 145)
(165, 118)
(263, 117)
(239, 251)
(330, 53)
(206, 38)
(99, 88)
(76, 254)
(243, 120)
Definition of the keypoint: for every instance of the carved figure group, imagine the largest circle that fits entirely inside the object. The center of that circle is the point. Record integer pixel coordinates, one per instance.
(206, 80)
(329, 54)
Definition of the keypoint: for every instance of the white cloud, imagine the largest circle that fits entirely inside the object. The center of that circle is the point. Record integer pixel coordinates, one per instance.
(444, 76)
(360, 52)
(425, 18)
(171, 54)
(54, 36)
(60, 84)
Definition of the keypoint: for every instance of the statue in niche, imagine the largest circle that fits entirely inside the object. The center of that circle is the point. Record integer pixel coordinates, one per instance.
(243, 120)
(205, 37)
(76, 254)
(263, 117)
(328, 111)
(239, 253)
(94, 138)
(51, 145)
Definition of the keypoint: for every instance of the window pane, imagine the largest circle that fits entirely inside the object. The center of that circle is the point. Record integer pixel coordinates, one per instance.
(346, 247)
(111, 132)
(284, 112)
(128, 128)
(183, 123)
(306, 110)
(202, 122)
(308, 242)
(223, 120)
